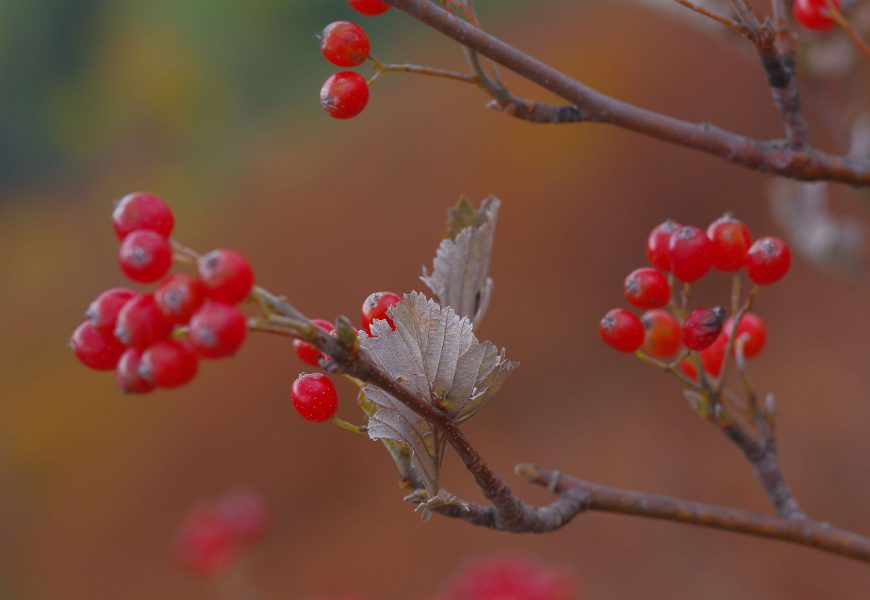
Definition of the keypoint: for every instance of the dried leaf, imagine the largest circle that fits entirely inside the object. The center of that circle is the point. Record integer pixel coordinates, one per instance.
(435, 353)
(460, 272)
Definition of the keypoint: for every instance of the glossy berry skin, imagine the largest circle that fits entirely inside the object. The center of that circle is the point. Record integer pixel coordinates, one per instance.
(103, 312)
(370, 8)
(375, 307)
(345, 44)
(662, 333)
(142, 211)
(168, 364)
(314, 397)
(731, 242)
(713, 356)
(622, 330)
(245, 514)
(145, 256)
(768, 260)
(657, 245)
(814, 14)
(691, 253)
(205, 543)
(179, 296)
(127, 373)
(511, 578)
(140, 323)
(227, 276)
(95, 350)
(218, 330)
(702, 327)
(308, 353)
(344, 95)
(647, 288)
(752, 331)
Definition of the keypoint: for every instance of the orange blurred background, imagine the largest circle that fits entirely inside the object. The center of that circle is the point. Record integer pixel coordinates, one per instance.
(213, 105)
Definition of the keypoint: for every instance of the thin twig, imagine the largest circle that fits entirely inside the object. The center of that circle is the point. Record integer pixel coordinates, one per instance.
(721, 19)
(421, 70)
(846, 26)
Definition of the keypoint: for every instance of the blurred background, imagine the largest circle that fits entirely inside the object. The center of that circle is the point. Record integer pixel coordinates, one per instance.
(213, 105)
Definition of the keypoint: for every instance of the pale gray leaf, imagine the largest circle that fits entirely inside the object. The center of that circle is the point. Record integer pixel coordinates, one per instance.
(460, 272)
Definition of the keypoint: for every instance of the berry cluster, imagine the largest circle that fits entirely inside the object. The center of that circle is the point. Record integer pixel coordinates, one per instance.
(313, 394)
(155, 339)
(216, 534)
(345, 94)
(815, 14)
(684, 253)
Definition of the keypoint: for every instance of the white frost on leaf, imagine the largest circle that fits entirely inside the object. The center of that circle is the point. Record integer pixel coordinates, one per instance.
(433, 352)
(460, 272)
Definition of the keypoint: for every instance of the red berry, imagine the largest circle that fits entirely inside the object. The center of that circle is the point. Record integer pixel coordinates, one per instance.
(814, 14)
(688, 369)
(227, 276)
(129, 379)
(691, 253)
(702, 327)
(662, 337)
(511, 578)
(647, 288)
(205, 543)
(308, 353)
(731, 242)
(218, 330)
(314, 397)
(370, 8)
(621, 330)
(95, 350)
(179, 296)
(345, 44)
(657, 245)
(142, 211)
(140, 323)
(168, 364)
(145, 256)
(713, 356)
(246, 516)
(344, 95)
(752, 331)
(103, 312)
(375, 308)
(768, 261)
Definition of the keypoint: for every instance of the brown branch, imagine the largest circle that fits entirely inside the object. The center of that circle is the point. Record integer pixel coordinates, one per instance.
(607, 499)
(775, 156)
(731, 24)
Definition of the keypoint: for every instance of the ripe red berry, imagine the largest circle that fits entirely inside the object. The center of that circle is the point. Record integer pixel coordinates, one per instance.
(245, 514)
(127, 373)
(145, 256)
(370, 8)
(205, 543)
(345, 44)
(314, 397)
(344, 95)
(308, 353)
(691, 253)
(647, 288)
(814, 14)
(621, 330)
(375, 307)
(168, 364)
(768, 260)
(731, 242)
(657, 245)
(688, 369)
(140, 323)
(95, 350)
(511, 578)
(227, 276)
(218, 330)
(179, 296)
(142, 211)
(662, 337)
(713, 356)
(702, 327)
(752, 331)
(103, 312)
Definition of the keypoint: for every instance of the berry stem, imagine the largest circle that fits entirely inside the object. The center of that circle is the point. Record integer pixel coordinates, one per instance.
(342, 424)
(184, 254)
(846, 26)
(671, 368)
(382, 68)
(731, 24)
(729, 347)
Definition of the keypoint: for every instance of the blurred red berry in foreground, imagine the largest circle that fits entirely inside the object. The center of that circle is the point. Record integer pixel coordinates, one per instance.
(511, 578)
(205, 543)
(245, 514)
